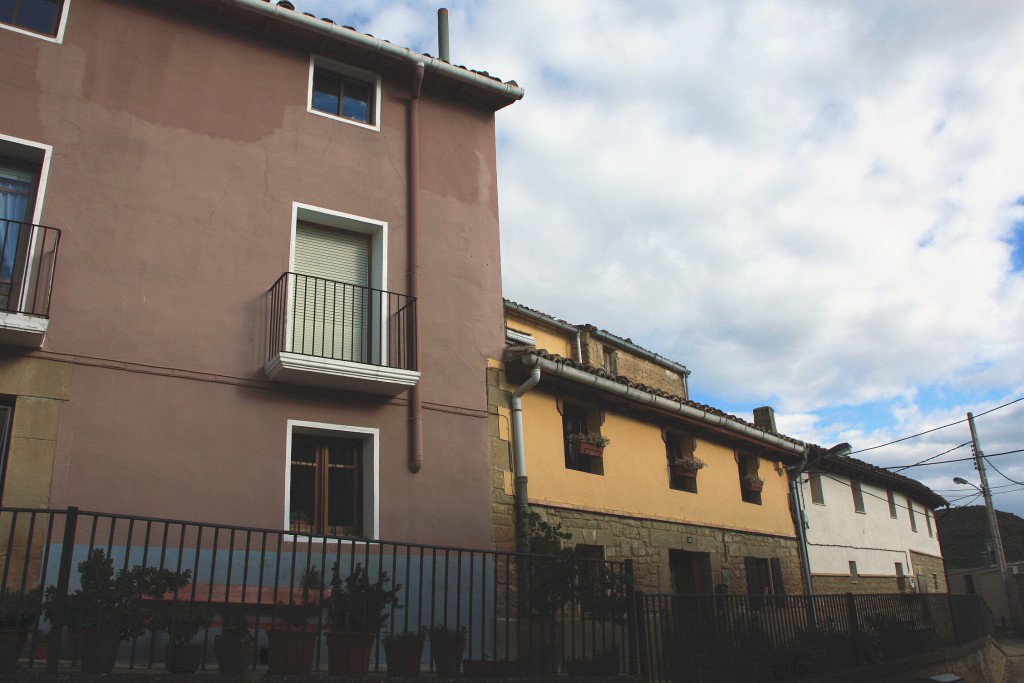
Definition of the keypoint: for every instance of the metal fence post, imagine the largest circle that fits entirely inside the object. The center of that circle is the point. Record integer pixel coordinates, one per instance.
(59, 610)
(851, 614)
(631, 616)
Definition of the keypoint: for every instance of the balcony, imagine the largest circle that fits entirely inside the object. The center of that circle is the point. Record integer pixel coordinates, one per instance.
(28, 258)
(338, 335)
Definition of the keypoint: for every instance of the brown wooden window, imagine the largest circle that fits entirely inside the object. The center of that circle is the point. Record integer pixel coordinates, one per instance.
(609, 360)
(575, 422)
(690, 572)
(910, 513)
(750, 480)
(928, 522)
(892, 504)
(326, 485)
(343, 96)
(764, 577)
(679, 447)
(38, 16)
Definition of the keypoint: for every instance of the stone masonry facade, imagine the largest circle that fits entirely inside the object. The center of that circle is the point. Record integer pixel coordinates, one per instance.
(637, 369)
(930, 567)
(646, 542)
(933, 569)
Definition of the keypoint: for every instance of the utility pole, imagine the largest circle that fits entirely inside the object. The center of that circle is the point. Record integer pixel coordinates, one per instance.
(997, 539)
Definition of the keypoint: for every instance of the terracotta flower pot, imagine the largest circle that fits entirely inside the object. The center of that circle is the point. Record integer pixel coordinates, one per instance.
(234, 651)
(754, 486)
(183, 659)
(348, 654)
(99, 649)
(447, 655)
(588, 449)
(539, 645)
(403, 658)
(290, 650)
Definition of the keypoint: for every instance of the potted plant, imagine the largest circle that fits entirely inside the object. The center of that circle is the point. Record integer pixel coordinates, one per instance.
(604, 663)
(18, 612)
(109, 607)
(752, 482)
(404, 651)
(234, 644)
(447, 643)
(687, 466)
(356, 612)
(292, 641)
(549, 578)
(589, 443)
(182, 621)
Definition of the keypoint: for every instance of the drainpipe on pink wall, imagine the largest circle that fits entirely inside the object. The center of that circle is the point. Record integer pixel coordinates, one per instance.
(415, 400)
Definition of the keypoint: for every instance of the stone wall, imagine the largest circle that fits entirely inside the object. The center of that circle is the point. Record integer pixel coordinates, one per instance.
(499, 398)
(839, 584)
(634, 368)
(648, 542)
(933, 568)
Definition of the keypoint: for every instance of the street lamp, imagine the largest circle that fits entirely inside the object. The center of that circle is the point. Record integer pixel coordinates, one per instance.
(997, 541)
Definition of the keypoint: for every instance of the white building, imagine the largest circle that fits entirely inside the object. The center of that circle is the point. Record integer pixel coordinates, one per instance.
(869, 530)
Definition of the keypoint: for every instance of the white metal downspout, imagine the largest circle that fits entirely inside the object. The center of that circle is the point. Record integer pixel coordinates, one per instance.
(519, 453)
(795, 472)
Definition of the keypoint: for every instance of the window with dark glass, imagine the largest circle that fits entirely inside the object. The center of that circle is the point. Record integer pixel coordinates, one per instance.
(6, 413)
(326, 485)
(38, 16)
(892, 504)
(910, 513)
(18, 183)
(340, 95)
(679, 447)
(575, 422)
(750, 480)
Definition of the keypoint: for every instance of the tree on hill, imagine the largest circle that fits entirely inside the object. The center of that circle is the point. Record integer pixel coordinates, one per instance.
(963, 532)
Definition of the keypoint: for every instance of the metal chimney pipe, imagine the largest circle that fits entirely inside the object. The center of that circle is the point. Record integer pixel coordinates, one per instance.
(442, 35)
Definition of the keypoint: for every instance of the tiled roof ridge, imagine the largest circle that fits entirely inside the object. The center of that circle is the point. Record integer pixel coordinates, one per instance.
(590, 327)
(903, 480)
(625, 381)
(286, 4)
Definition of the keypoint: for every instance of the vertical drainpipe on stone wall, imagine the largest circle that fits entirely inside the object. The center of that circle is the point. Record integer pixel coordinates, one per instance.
(519, 451)
(415, 398)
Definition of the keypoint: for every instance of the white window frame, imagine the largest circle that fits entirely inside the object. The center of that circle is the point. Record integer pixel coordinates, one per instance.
(372, 79)
(59, 38)
(376, 230)
(36, 152)
(371, 474)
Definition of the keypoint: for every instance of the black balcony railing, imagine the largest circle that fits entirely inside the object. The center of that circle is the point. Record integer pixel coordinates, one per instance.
(790, 637)
(28, 257)
(313, 316)
(260, 572)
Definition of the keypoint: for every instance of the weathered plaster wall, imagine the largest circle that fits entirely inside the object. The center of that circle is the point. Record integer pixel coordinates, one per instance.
(179, 148)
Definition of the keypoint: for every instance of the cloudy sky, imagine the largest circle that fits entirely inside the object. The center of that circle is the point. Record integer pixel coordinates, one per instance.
(817, 206)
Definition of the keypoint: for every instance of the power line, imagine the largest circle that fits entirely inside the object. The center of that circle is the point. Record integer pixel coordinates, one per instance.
(935, 429)
(1001, 474)
(933, 457)
(946, 462)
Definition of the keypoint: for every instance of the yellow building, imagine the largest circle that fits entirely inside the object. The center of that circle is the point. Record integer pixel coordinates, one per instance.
(698, 499)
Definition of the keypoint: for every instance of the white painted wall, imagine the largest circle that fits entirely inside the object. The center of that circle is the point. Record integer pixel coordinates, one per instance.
(837, 534)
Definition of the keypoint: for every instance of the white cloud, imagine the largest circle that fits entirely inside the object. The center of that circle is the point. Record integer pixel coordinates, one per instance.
(805, 203)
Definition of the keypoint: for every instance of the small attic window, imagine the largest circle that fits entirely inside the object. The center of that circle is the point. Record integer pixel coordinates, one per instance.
(341, 92)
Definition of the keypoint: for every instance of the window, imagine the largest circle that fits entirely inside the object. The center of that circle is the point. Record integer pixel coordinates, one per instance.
(928, 522)
(750, 482)
(892, 503)
(43, 17)
(690, 572)
(858, 496)
(817, 495)
(19, 181)
(344, 93)
(331, 480)
(853, 572)
(677, 448)
(609, 360)
(6, 413)
(580, 455)
(910, 513)
(764, 577)
(901, 580)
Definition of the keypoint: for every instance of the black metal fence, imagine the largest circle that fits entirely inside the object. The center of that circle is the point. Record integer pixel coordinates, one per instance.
(65, 575)
(28, 256)
(789, 637)
(313, 316)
